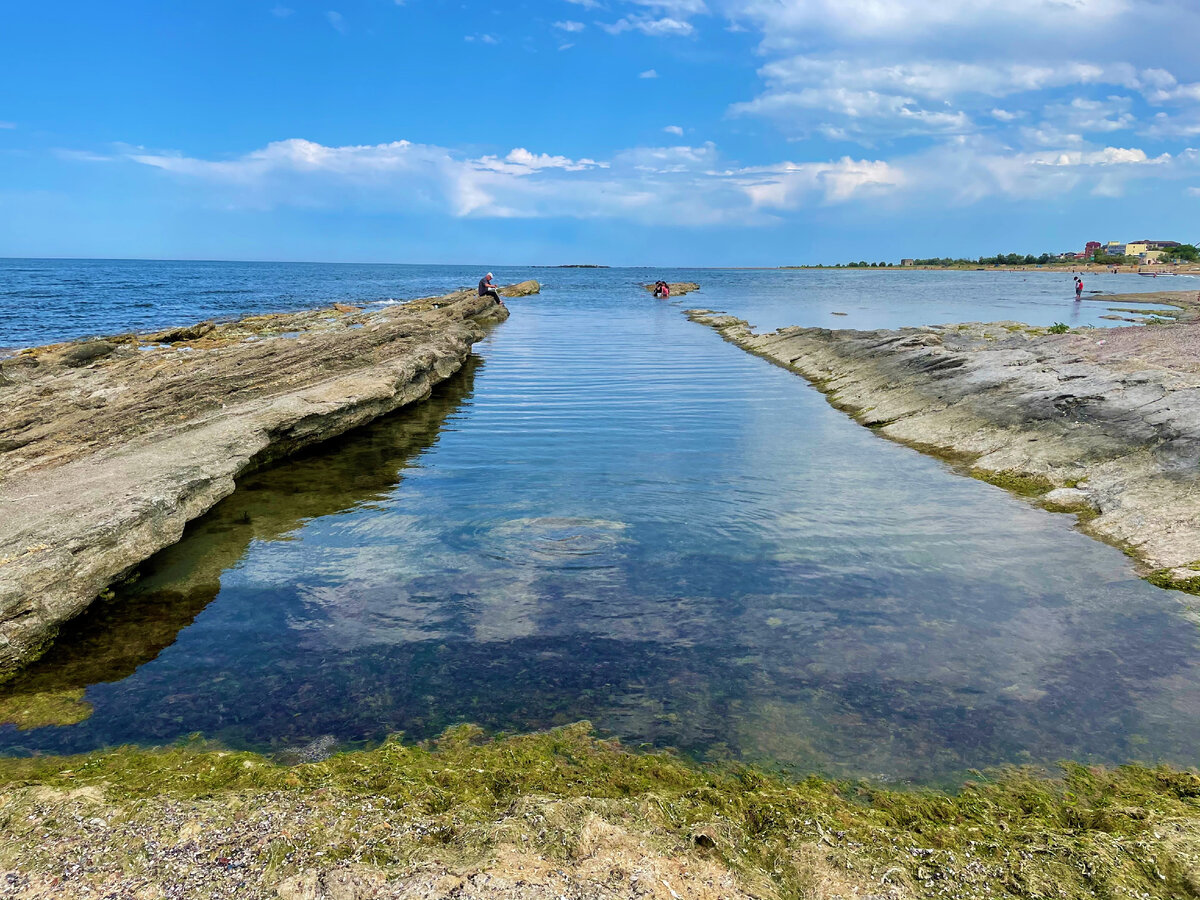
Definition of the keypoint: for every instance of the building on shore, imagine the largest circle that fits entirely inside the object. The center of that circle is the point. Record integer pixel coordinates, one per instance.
(908, 262)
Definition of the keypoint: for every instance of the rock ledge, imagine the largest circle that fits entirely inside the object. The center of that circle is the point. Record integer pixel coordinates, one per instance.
(110, 447)
(1104, 423)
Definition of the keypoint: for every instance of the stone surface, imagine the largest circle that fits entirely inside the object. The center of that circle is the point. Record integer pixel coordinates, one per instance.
(108, 448)
(1112, 416)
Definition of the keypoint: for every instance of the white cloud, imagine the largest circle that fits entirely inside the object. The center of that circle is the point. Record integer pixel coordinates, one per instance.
(692, 184)
(1091, 116)
(664, 27)
(587, 4)
(565, 46)
(867, 101)
(784, 22)
(337, 21)
(791, 185)
(481, 38)
(570, 26)
(673, 129)
(640, 184)
(649, 73)
(521, 162)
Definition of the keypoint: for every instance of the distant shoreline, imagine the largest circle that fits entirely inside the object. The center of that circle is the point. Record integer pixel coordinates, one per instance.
(1055, 268)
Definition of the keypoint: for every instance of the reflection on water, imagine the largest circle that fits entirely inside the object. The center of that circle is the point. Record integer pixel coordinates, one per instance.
(623, 518)
(116, 636)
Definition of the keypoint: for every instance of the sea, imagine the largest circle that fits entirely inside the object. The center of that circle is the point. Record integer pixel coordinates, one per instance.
(611, 514)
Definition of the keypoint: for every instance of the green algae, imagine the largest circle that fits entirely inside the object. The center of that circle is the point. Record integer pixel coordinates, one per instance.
(37, 710)
(1025, 485)
(1166, 578)
(1127, 832)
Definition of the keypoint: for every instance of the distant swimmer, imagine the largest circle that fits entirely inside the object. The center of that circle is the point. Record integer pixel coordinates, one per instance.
(487, 289)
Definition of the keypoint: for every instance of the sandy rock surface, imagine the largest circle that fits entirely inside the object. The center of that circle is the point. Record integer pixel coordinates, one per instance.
(1112, 415)
(109, 447)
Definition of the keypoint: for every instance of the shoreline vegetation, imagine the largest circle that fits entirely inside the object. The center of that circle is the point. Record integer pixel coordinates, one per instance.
(1099, 423)
(1056, 267)
(111, 446)
(563, 813)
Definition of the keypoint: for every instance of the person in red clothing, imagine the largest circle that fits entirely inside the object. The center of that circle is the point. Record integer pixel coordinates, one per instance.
(1078, 288)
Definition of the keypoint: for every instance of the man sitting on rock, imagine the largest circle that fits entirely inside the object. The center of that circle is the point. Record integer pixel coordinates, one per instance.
(487, 289)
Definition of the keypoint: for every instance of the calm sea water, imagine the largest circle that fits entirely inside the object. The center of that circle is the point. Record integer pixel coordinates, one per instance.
(613, 514)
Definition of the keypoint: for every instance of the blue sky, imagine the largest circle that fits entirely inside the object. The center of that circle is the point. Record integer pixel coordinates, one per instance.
(688, 132)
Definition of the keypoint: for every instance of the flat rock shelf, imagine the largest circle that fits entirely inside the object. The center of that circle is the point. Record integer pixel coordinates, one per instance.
(109, 447)
(1102, 423)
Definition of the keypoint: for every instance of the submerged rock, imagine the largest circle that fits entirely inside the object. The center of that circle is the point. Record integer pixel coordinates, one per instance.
(102, 466)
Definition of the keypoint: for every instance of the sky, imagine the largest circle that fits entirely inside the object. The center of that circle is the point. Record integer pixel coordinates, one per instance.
(620, 132)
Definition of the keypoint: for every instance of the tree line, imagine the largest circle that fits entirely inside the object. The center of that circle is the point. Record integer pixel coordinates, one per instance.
(1182, 253)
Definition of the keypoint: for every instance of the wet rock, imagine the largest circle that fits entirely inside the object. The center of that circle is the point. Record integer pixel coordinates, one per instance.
(1065, 498)
(83, 353)
(178, 335)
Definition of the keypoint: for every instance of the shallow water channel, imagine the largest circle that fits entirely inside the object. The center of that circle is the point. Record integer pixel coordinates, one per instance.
(614, 515)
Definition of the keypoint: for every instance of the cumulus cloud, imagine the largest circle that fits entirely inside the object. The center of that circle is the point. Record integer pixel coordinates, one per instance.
(859, 100)
(786, 22)
(649, 73)
(790, 185)
(690, 183)
(663, 27)
(520, 162)
(673, 129)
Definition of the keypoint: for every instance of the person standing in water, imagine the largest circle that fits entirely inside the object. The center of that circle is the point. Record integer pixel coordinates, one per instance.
(1078, 288)
(487, 289)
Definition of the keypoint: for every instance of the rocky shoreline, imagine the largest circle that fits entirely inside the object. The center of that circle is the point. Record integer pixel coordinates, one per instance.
(1104, 423)
(109, 447)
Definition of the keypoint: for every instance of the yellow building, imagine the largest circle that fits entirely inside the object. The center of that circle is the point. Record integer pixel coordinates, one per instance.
(1136, 248)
